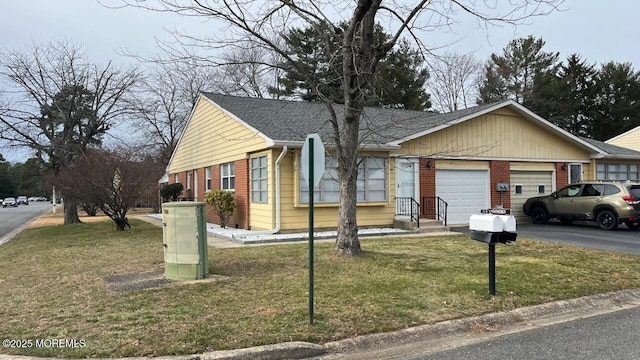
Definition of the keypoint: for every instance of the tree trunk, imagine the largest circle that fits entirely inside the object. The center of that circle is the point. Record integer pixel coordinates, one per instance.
(347, 241)
(71, 212)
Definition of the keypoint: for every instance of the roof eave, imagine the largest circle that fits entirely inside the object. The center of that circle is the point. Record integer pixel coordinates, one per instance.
(299, 144)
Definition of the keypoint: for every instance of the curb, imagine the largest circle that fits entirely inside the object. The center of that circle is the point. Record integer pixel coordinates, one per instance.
(288, 350)
(543, 314)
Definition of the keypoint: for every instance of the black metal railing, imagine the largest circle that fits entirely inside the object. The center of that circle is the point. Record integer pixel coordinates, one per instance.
(407, 206)
(433, 207)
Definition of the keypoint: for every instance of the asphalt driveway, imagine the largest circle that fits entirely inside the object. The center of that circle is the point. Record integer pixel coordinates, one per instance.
(580, 234)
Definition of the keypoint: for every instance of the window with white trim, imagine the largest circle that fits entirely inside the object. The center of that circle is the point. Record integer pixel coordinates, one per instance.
(259, 179)
(371, 182)
(228, 176)
(207, 178)
(176, 178)
(619, 172)
(188, 180)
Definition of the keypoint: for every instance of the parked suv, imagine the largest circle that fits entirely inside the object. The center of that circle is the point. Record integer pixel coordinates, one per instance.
(606, 203)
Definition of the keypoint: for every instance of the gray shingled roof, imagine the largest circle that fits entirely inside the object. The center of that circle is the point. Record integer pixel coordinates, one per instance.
(612, 150)
(285, 120)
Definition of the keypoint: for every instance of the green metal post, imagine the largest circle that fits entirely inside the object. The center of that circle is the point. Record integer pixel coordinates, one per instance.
(311, 195)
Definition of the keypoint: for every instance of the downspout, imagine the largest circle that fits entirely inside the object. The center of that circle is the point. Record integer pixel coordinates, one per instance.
(277, 228)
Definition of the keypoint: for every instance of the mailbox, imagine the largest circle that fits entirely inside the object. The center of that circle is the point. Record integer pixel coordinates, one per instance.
(492, 228)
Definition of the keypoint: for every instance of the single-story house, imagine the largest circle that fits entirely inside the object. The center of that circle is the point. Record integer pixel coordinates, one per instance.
(486, 156)
(629, 139)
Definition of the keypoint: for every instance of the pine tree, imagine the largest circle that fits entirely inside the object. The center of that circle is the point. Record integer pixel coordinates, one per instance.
(513, 74)
(399, 82)
(618, 102)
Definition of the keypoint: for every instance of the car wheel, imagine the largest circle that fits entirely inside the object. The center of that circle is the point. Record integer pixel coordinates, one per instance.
(566, 221)
(539, 215)
(607, 220)
(631, 225)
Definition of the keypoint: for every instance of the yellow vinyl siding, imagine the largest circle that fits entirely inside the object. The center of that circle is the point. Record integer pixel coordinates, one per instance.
(295, 216)
(629, 141)
(213, 137)
(462, 164)
(499, 134)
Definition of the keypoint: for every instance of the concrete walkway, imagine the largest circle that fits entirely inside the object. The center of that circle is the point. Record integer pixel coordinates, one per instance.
(225, 241)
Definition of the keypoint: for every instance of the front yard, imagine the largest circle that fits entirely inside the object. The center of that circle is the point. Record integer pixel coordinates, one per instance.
(53, 286)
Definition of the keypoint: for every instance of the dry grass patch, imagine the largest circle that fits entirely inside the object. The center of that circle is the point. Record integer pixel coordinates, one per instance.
(52, 285)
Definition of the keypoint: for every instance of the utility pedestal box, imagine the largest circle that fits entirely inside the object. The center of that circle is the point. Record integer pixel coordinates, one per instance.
(184, 236)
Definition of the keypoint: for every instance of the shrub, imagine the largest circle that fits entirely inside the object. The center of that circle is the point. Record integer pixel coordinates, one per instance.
(171, 192)
(223, 203)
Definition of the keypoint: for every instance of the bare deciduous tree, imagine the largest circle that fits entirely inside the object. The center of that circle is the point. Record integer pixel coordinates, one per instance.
(453, 81)
(247, 23)
(114, 180)
(163, 100)
(58, 104)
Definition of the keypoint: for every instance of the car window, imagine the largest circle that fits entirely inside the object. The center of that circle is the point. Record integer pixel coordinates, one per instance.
(569, 191)
(592, 190)
(634, 191)
(611, 189)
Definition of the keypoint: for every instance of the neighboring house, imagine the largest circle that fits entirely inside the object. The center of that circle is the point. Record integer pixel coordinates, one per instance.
(629, 139)
(252, 146)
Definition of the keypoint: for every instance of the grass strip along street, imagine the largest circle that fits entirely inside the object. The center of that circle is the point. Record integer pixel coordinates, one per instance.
(54, 285)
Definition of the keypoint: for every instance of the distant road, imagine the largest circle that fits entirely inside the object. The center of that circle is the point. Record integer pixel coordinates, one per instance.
(12, 218)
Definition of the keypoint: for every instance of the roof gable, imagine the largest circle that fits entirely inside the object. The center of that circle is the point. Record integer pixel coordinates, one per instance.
(286, 121)
(624, 134)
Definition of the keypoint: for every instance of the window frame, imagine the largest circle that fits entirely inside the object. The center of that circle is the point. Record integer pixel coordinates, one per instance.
(230, 176)
(208, 184)
(371, 182)
(617, 171)
(261, 181)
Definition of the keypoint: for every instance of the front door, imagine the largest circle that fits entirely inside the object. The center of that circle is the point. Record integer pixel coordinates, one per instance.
(407, 184)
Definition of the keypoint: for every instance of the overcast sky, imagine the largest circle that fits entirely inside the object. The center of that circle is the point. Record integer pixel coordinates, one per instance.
(600, 31)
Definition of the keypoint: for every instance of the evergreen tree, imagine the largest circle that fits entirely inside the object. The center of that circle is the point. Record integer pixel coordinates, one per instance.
(399, 82)
(513, 74)
(618, 101)
(567, 99)
(7, 186)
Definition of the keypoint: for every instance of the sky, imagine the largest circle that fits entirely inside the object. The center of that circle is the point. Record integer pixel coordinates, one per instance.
(599, 31)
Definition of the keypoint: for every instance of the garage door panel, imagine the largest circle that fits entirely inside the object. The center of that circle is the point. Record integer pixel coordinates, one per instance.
(465, 191)
(526, 184)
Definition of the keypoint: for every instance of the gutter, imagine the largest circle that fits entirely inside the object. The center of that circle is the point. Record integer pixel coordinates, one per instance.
(277, 228)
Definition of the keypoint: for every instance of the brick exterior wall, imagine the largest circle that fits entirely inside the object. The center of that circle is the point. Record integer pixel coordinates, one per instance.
(427, 177)
(240, 217)
(562, 176)
(500, 172)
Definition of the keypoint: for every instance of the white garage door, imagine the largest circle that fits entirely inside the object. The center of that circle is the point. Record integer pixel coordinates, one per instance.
(526, 184)
(466, 192)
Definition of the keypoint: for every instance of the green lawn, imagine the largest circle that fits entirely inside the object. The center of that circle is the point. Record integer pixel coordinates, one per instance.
(52, 287)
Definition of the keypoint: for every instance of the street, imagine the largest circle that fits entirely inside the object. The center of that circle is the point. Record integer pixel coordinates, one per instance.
(605, 333)
(609, 336)
(11, 218)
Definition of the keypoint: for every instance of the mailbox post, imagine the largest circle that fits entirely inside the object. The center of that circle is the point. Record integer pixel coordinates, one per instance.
(491, 229)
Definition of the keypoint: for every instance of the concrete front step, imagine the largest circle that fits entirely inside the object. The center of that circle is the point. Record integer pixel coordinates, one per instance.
(426, 225)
